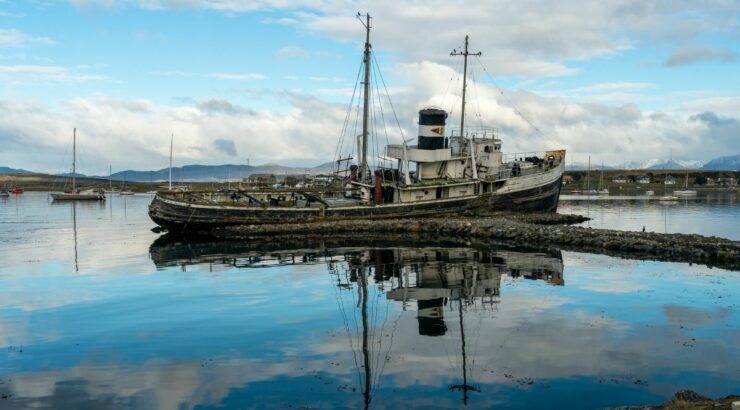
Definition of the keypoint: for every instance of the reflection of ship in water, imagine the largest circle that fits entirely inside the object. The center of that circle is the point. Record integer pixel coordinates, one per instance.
(439, 279)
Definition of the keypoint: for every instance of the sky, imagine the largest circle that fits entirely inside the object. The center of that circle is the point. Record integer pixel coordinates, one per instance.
(270, 81)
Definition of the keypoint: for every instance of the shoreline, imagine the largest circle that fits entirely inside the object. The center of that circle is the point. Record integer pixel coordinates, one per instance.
(523, 229)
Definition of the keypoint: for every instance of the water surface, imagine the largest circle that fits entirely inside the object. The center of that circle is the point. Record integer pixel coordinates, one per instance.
(96, 311)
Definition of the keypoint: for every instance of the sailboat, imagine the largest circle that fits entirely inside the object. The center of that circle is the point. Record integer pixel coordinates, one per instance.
(76, 194)
(170, 187)
(602, 189)
(589, 190)
(125, 190)
(456, 171)
(666, 197)
(685, 192)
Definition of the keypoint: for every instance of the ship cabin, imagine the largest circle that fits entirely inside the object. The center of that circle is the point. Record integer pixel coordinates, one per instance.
(451, 166)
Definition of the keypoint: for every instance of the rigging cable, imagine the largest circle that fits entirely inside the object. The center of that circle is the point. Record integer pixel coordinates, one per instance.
(390, 102)
(477, 98)
(456, 76)
(531, 124)
(382, 117)
(340, 144)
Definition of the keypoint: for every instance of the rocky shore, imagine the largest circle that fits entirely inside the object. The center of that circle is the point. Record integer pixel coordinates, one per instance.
(688, 399)
(523, 229)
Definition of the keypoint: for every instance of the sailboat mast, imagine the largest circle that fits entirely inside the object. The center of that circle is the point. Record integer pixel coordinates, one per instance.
(465, 55)
(364, 174)
(365, 344)
(464, 357)
(172, 137)
(74, 157)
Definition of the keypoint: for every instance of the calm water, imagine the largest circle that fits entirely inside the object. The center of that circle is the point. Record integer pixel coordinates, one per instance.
(96, 311)
(714, 214)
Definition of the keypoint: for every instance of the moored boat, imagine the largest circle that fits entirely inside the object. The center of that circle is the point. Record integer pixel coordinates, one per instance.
(75, 194)
(79, 195)
(461, 170)
(16, 190)
(685, 192)
(4, 194)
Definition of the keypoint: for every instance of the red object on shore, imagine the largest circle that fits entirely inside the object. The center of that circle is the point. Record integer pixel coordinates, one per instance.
(378, 187)
(16, 190)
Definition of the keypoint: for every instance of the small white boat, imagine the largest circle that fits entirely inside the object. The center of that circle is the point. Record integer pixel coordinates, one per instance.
(4, 194)
(76, 194)
(668, 198)
(126, 192)
(604, 191)
(650, 193)
(590, 192)
(685, 193)
(79, 195)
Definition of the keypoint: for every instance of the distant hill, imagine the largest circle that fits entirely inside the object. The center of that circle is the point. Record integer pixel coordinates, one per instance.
(658, 163)
(730, 163)
(577, 166)
(7, 170)
(205, 173)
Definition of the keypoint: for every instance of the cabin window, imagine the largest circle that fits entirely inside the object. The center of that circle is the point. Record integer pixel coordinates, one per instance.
(487, 148)
(426, 192)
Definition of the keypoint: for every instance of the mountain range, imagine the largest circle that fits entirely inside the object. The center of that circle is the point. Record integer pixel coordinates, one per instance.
(724, 163)
(730, 163)
(6, 170)
(206, 173)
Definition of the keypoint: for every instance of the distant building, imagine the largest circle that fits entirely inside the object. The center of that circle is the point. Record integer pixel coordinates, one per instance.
(643, 179)
(727, 181)
(669, 180)
(567, 179)
(265, 179)
(711, 182)
(620, 179)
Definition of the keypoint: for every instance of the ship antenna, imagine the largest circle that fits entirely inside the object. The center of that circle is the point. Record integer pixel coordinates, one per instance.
(364, 170)
(465, 55)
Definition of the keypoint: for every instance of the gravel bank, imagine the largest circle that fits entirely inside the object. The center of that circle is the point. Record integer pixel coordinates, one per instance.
(529, 230)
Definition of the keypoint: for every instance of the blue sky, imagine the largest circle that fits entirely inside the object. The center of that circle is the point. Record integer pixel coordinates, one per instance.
(618, 81)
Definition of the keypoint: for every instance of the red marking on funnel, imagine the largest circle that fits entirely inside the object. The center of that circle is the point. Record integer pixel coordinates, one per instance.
(437, 130)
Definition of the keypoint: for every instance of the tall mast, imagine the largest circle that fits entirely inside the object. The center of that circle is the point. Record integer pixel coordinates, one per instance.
(172, 137)
(74, 157)
(365, 346)
(364, 174)
(465, 55)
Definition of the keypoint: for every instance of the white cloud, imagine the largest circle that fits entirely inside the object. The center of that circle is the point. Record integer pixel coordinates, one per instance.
(17, 39)
(524, 38)
(48, 73)
(134, 134)
(237, 76)
(614, 86)
(307, 130)
(692, 54)
(292, 52)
